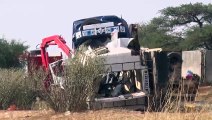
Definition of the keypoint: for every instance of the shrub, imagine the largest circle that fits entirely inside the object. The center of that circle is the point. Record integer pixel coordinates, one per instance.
(79, 86)
(15, 89)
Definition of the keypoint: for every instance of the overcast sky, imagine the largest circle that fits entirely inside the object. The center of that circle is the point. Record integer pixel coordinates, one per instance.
(32, 20)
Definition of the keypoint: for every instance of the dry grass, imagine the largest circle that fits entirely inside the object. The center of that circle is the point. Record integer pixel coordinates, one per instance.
(104, 115)
(79, 84)
(205, 94)
(15, 89)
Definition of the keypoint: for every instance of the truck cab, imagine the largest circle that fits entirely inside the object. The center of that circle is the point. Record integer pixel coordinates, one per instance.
(98, 29)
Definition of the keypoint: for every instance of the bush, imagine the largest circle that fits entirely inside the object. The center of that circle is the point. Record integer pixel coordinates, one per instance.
(15, 89)
(80, 84)
(10, 52)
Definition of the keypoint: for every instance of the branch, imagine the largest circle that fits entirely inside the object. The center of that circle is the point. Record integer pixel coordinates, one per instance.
(195, 18)
(182, 23)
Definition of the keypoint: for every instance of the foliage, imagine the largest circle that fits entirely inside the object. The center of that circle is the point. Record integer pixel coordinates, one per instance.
(198, 38)
(168, 30)
(188, 13)
(155, 35)
(79, 86)
(15, 89)
(9, 53)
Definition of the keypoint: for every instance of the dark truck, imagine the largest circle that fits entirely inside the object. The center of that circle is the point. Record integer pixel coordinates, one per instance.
(126, 83)
(98, 28)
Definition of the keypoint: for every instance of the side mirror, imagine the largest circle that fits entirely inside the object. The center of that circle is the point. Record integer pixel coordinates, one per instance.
(134, 44)
(133, 29)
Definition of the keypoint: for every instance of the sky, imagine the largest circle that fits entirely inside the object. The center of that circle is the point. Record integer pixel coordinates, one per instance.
(31, 20)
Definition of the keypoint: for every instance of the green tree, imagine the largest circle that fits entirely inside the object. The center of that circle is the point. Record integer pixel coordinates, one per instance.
(188, 13)
(179, 27)
(156, 34)
(10, 52)
(198, 38)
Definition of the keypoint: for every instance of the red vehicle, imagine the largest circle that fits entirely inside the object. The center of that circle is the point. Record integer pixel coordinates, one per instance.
(53, 40)
(40, 59)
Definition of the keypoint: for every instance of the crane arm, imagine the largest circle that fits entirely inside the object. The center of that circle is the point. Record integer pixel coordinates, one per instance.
(53, 40)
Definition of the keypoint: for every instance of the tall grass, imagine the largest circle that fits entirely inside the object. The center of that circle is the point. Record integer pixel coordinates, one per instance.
(82, 76)
(15, 89)
(173, 98)
(80, 84)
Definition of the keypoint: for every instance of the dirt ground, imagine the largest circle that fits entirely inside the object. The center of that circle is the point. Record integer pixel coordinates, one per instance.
(205, 94)
(102, 115)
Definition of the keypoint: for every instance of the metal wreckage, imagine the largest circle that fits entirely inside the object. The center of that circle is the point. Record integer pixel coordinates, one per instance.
(133, 73)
